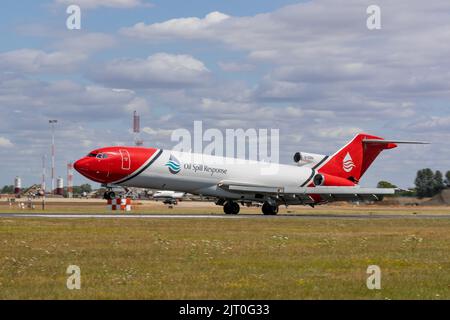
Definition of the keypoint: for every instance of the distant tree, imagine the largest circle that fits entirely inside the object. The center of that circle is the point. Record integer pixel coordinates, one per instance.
(438, 182)
(447, 179)
(86, 188)
(83, 188)
(424, 182)
(7, 190)
(386, 185)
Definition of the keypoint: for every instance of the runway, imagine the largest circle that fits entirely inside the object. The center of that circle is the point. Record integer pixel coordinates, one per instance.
(221, 216)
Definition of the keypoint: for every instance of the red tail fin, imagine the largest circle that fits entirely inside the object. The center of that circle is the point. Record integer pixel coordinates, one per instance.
(352, 160)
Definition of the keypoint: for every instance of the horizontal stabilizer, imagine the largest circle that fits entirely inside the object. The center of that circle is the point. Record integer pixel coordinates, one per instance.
(393, 141)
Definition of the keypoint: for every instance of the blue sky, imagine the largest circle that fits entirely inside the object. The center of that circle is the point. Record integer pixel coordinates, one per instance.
(311, 69)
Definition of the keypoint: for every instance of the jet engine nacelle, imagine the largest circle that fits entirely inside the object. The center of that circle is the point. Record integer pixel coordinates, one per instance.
(327, 180)
(303, 158)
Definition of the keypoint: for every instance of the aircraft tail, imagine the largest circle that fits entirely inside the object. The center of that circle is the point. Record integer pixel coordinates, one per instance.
(352, 160)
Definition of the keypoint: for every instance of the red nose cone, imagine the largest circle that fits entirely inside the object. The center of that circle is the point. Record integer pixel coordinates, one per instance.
(81, 165)
(92, 169)
(114, 164)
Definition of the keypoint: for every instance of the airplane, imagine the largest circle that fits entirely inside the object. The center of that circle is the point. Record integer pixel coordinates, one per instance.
(314, 179)
(168, 197)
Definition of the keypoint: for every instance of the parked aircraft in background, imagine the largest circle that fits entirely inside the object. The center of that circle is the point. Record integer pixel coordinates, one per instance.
(314, 179)
(168, 197)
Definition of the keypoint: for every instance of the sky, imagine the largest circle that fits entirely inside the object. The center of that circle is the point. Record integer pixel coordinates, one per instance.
(311, 69)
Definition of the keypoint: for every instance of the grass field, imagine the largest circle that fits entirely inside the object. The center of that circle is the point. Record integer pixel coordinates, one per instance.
(272, 258)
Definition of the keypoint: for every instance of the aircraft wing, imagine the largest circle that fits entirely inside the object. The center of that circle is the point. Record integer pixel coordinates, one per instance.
(304, 193)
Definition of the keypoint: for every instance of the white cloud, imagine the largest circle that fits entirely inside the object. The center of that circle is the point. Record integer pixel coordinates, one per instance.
(157, 71)
(33, 61)
(433, 123)
(338, 132)
(187, 28)
(235, 66)
(90, 4)
(86, 42)
(328, 46)
(5, 143)
(138, 104)
(161, 133)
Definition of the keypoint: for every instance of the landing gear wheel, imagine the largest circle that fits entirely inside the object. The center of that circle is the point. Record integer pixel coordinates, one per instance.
(231, 207)
(269, 210)
(109, 195)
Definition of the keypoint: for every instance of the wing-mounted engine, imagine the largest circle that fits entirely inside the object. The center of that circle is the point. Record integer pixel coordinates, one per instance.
(304, 159)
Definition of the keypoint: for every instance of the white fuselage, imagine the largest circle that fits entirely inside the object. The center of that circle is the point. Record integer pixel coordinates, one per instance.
(201, 174)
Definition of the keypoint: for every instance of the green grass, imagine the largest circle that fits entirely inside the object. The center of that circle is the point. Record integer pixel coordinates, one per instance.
(225, 259)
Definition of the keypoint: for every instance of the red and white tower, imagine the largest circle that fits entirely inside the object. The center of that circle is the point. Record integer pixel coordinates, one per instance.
(137, 129)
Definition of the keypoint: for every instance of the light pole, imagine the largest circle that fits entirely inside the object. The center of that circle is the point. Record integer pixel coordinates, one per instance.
(53, 123)
(43, 184)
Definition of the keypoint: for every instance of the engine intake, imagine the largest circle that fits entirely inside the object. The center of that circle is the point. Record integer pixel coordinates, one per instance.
(303, 158)
(323, 179)
(319, 180)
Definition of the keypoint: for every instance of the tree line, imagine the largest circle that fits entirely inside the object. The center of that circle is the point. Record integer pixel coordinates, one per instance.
(77, 190)
(428, 184)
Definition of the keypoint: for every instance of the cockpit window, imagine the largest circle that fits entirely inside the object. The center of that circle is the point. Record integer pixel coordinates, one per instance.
(92, 155)
(102, 156)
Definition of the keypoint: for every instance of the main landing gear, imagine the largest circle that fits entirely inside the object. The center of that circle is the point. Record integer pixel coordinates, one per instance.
(231, 207)
(269, 209)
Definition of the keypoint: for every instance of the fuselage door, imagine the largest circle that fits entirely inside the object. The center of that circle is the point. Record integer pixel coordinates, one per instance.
(126, 159)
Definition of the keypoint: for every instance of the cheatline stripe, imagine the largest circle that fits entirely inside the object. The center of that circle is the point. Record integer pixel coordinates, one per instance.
(322, 161)
(313, 172)
(142, 170)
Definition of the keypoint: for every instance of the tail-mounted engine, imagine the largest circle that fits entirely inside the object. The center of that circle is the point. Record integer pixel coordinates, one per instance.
(307, 159)
(323, 179)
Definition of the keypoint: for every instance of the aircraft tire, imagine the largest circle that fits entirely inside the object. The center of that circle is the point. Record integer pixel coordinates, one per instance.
(236, 208)
(111, 195)
(269, 210)
(231, 207)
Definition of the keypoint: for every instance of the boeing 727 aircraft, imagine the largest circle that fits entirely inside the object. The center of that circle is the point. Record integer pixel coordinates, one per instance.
(315, 179)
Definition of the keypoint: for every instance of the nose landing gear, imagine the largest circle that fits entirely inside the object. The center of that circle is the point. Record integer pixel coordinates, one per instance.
(109, 195)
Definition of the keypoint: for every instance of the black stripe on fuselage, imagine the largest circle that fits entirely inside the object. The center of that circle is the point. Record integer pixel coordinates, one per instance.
(313, 172)
(142, 170)
(323, 160)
